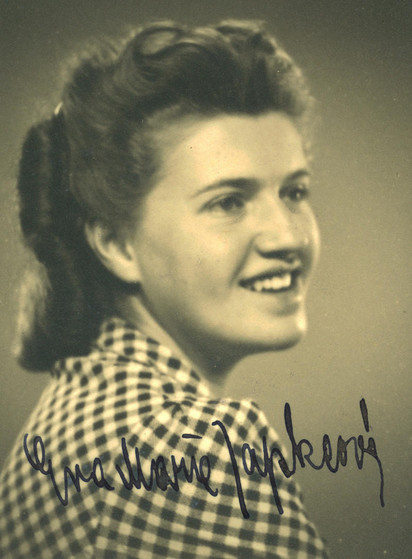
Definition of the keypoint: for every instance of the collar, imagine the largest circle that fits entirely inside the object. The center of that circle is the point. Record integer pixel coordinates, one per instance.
(119, 337)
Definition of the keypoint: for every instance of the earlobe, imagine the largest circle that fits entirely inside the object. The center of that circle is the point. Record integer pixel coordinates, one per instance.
(117, 256)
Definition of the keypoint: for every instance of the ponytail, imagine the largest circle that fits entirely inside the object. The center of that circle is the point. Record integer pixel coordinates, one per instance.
(65, 294)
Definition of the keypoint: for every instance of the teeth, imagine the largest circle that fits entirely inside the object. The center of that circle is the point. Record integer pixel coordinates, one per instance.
(274, 283)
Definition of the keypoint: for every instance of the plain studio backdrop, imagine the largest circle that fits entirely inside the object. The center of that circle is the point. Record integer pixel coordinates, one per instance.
(357, 57)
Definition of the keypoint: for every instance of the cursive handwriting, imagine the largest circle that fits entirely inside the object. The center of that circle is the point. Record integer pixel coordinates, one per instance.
(158, 471)
(38, 462)
(250, 462)
(132, 477)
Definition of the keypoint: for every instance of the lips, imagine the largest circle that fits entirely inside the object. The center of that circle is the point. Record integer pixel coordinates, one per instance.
(272, 281)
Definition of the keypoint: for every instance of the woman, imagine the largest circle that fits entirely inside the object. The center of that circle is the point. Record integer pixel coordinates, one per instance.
(166, 203)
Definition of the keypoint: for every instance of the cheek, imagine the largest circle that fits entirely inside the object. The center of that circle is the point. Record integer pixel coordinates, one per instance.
(190, 256)
(156, 257)
(207, 265)
(206, 247)
(177, 264)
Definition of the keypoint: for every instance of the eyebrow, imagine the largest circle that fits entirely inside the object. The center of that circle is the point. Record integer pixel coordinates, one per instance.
(247, 183)
(239, 182)
(299, 174)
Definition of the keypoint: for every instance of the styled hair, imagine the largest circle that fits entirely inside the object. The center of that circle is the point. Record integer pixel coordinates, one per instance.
(95, 159)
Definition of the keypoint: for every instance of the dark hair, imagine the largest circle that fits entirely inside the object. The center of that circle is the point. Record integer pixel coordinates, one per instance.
(95, 157)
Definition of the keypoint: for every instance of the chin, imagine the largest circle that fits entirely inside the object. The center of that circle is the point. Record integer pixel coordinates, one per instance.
(287, 344)
(286, 337)
(279, 343)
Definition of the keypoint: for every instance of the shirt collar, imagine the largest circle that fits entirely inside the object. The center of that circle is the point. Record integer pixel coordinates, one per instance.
(123, 339)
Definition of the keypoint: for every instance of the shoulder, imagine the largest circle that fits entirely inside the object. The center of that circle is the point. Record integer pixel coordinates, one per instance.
(211, 422)
(196, 470)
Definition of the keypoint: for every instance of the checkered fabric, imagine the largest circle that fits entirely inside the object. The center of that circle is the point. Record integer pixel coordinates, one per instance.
(131, 393)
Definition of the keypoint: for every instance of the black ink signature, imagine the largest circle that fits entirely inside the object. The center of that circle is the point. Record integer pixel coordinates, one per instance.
(158, 469)
(201, 469)
(251, 464)
(40, 464)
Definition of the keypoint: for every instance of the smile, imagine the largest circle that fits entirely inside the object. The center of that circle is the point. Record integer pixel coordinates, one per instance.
(271, 283)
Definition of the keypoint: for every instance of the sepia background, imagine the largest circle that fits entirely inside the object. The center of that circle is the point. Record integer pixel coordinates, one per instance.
(357, 56)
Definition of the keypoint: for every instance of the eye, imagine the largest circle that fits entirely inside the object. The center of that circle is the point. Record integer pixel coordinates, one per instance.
(297, 192)
(230, 204)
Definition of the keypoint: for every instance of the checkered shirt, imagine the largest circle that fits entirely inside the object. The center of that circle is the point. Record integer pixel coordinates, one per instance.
(130, 392)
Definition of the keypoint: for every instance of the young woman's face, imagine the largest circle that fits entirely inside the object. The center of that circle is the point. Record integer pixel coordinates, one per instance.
(227, 240)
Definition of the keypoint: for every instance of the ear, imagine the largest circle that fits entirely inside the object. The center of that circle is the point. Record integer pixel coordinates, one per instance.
(117, 256)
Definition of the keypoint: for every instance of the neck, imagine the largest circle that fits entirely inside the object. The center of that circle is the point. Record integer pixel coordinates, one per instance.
(212, 366)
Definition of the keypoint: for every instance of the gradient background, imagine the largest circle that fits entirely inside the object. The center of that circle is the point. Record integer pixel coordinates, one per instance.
(357, 56)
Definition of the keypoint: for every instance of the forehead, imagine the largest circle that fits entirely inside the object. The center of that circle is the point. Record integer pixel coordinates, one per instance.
(204, 150)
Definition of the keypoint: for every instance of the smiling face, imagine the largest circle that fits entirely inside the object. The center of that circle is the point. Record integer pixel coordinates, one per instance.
(227, 240)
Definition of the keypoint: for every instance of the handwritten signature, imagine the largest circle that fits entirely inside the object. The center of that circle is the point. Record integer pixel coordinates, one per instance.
(133, 477)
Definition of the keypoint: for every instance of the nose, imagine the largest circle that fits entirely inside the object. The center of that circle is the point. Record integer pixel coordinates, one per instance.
(282, 230)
